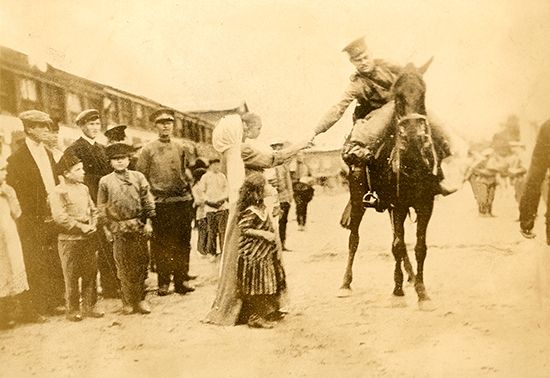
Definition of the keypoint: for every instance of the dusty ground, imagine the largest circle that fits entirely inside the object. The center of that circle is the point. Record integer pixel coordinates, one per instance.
(488, 285)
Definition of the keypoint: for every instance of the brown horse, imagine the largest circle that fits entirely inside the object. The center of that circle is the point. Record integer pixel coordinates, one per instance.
(404, 178)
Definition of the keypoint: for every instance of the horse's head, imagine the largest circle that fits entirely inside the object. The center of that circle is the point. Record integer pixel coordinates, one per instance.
(414, 142)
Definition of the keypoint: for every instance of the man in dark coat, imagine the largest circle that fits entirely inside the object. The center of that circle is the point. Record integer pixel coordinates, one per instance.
(529, 202)
(96, 165)
(30, 172)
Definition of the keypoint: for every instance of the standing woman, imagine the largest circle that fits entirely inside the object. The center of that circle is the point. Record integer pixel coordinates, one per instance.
(240, 158)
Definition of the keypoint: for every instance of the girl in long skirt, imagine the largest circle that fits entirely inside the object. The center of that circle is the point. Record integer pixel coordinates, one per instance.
(259, 269)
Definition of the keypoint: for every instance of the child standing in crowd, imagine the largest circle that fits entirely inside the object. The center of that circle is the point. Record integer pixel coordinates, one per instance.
(200, 213)
(76, 215)
(214, 186)
(125, 202)
(303, 194)
(13, 278)
(260, 270)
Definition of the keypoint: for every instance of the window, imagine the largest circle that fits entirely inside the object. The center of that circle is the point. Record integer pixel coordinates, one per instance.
(28, 89)
(126, 111)
(139, 112)
(56, 101)
(207, 135)
(7, 92)
(110, 109)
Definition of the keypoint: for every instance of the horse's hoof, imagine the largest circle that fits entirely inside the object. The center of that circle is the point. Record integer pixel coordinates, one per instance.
(398, 291)
(398, 302)
(426, 305)
(344, 292)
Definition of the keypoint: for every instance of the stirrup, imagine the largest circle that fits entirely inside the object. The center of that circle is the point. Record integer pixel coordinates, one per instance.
(370, 199)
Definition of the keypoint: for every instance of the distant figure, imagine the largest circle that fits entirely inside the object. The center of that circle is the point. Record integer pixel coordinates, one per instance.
(200, 213)
(284, 190)
(303, 194)
(125, 202)
(483, 179)
(76, 215)
(214, 187)
(529, 203)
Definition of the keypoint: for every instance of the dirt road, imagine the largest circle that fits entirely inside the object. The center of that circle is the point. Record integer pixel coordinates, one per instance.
(489, 288)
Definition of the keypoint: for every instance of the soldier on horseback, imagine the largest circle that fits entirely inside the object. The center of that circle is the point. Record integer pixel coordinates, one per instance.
(371, 87)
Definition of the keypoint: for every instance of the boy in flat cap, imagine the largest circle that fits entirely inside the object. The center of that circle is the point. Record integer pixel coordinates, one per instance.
(283, 185)
(30, 172)
(96, 165)
(76, 215)
(213, 185)
(371, 87)
(126, 204)
(165, 162)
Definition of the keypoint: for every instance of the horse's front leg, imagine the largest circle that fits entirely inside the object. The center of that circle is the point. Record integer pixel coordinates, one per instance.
(421, 248)
(399, 249)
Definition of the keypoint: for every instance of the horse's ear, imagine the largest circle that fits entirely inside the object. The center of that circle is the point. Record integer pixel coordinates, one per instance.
(422, 69)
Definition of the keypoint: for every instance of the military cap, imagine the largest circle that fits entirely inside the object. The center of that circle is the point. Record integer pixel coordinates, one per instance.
(113, 129)
(35, 118)
(356, 47)
(119, 150)
(162, 114)
(67, 161)
(277, 142)
(87, 116)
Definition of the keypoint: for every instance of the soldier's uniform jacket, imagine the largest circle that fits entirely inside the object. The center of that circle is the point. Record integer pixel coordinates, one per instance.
(540, 165)
(372, 91)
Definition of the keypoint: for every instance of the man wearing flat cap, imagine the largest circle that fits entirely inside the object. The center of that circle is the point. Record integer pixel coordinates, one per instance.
(283, 185)
(96, 165)
(31, 172)
(165, 162)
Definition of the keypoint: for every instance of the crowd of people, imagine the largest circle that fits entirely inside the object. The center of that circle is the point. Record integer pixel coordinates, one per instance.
(123, 213)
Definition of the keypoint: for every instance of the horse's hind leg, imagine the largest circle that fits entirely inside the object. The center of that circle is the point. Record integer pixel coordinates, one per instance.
(424, 215)
(399, 250)
(357, 190)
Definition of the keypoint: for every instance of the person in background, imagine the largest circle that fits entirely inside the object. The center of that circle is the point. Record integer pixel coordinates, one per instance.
(200, 213)
(303, 194)
(538, 170)
(115, 134)
(127, 207)
(283, 184)
(52, 142)
(76, 215)
(213, 185)
(483, 179)
(96, 165)
(13, 277)
(31, 173)
(165, 163)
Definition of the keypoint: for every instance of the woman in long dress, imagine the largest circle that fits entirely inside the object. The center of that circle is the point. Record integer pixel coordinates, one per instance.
(229, 138)
(13, 278)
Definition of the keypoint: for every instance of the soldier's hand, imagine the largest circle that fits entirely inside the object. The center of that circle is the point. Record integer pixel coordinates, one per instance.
(528, 234)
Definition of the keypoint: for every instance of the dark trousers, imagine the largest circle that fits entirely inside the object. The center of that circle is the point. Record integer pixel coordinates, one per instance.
(132, 260)
(301, 212)
(42, 263)
(110, 285)
(79, 260)
(216, 222)
(202, 240)
(171, 241)
(283, 220)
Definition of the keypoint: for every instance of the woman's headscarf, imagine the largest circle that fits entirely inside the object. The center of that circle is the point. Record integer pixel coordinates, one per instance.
(226, 139)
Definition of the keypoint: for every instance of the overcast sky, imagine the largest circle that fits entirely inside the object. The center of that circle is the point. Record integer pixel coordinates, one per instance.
(284, 57)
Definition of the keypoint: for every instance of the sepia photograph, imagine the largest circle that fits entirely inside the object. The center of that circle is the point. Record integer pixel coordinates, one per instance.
(262, 188)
